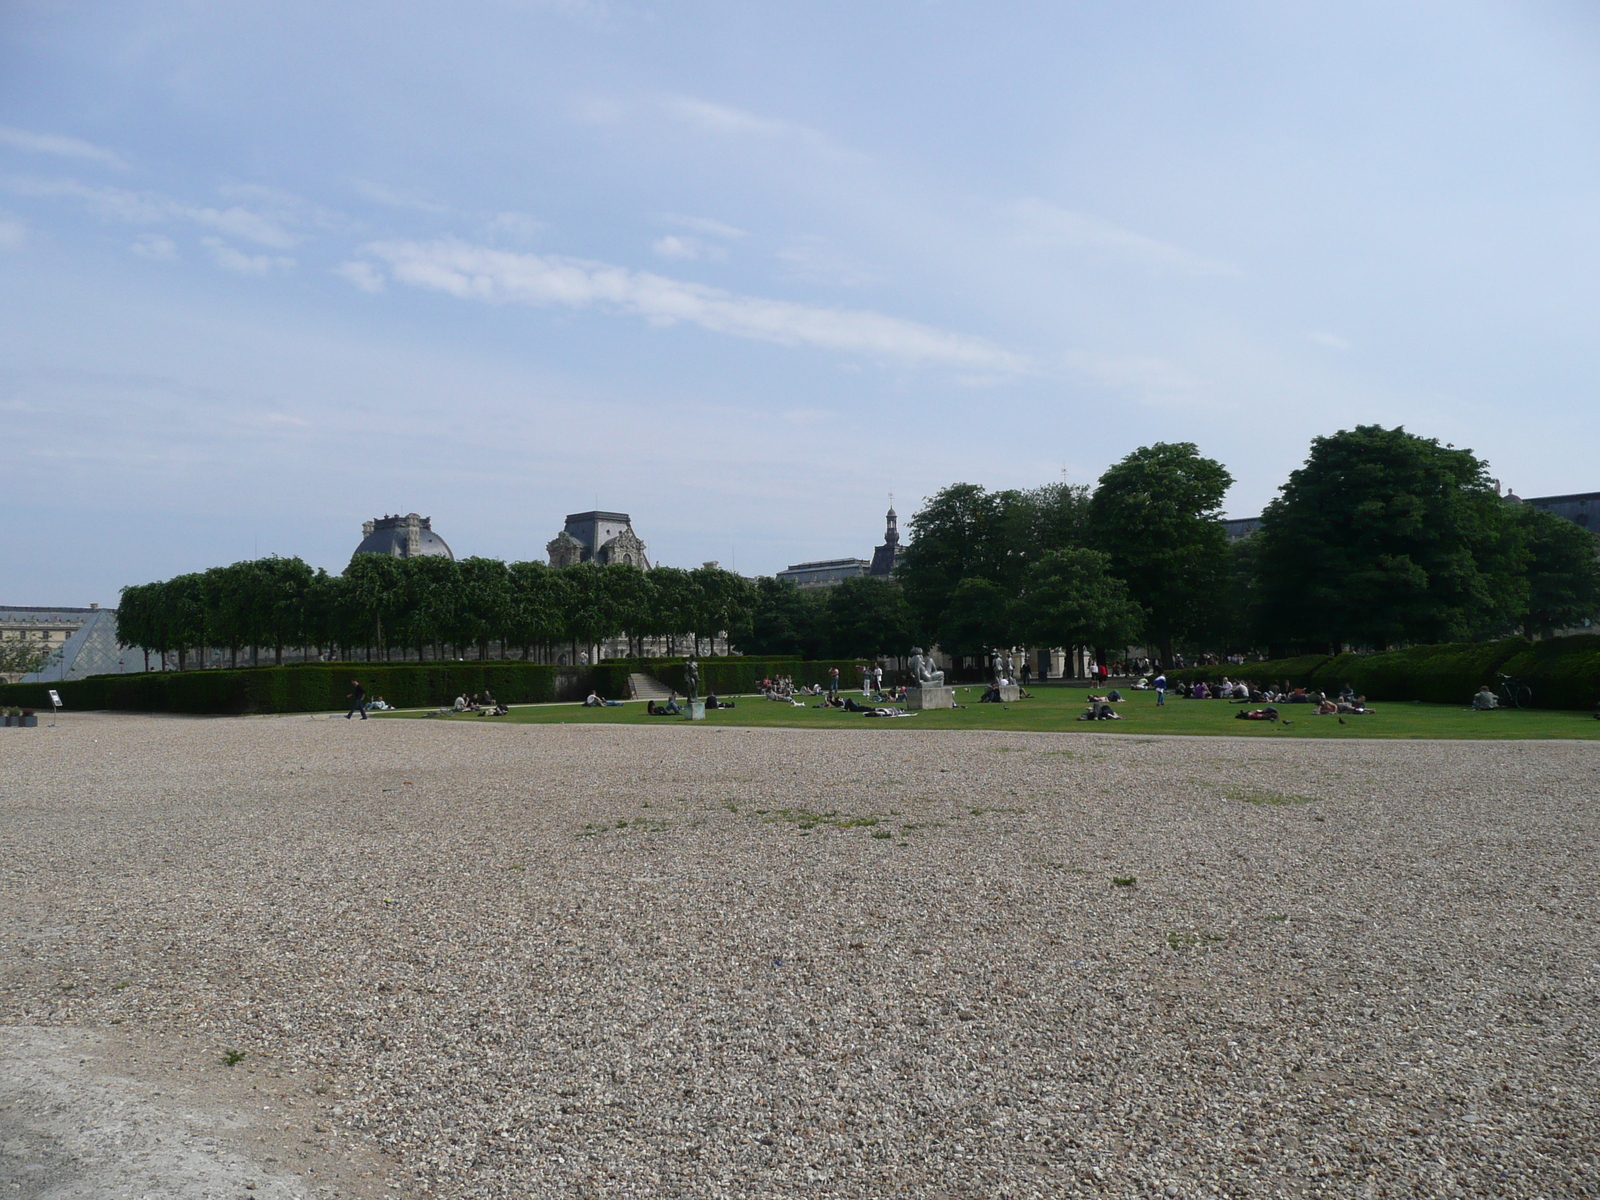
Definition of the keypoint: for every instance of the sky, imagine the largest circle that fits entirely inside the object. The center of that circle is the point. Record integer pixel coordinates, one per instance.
(743, 270)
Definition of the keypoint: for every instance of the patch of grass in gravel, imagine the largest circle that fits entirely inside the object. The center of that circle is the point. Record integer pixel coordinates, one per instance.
(978, 812)
(1124, 881)
(1187, 941)
(232, 1058)
(807, 820)
(1264, 796)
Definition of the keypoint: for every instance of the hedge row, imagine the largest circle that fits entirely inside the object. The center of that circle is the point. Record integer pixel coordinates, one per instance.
(724, 676)
(1562, 672)
(302, 688)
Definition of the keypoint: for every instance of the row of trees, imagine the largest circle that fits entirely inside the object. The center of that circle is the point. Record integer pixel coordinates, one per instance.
(1381, 538)
(426, 606)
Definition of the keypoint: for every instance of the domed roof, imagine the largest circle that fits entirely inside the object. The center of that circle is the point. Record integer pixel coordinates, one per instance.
(409, 536)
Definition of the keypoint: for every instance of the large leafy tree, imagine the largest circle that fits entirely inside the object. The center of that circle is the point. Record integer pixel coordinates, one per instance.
(1383, 537)
(976, 619)
(1070, 598)
(538, 605)
(1157, 515)
(484, 614)
(867, 616)
(964, 532)
(720, 601)
(784, 619)
(1562, 574)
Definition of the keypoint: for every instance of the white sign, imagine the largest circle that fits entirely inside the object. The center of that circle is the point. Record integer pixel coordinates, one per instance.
(55, 698)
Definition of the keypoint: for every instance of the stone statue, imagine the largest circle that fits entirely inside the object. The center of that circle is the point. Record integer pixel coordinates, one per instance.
(998, 667)
(923, 672)
(1011, 665)
(691, 680)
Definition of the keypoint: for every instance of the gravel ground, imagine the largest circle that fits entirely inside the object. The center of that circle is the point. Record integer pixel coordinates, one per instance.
(662, 961)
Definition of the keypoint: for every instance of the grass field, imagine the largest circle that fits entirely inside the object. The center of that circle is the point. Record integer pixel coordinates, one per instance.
(1056, 709)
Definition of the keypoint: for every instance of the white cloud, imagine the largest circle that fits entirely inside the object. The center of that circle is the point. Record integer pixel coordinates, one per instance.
(394, 199)
(363, 274)
(518, 225)
(155, 246)
(150, 208)
(62, 147)
(12, 232)
(812, 259)
(1043, 224)
(687, 248)
(227, 257)
(1332, 340)
(706, 226)
(477, 272)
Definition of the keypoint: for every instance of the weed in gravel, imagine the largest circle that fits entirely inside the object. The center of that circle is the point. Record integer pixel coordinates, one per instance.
(1183, 941)
(1278, 917)
(978, 812)
(882, 833)
(233, 1058)
(1126, 881)
(1262, 796)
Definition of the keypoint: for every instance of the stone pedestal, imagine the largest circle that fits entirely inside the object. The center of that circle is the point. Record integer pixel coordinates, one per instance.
(1009, 692)
(930, 697)
(694, 710)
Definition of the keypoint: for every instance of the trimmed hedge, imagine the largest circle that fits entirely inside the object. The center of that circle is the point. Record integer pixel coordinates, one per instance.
(729, 676)
(1562, 672)
(311, 687)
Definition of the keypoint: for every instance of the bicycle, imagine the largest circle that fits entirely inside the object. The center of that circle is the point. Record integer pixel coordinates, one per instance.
(1513, 694)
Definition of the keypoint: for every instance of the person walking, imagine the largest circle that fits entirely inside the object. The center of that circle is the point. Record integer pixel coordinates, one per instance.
(833, 681)
(358, 700)
(1161, 689)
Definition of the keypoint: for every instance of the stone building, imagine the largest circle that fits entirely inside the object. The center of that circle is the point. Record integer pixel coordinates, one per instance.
(829, 572)
(409, 536)
(602, 537)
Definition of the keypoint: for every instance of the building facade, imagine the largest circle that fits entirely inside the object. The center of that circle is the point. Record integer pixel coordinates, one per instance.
(602, 537)
(76, 642)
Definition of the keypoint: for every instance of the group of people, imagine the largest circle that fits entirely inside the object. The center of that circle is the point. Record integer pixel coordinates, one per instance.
(485, 705)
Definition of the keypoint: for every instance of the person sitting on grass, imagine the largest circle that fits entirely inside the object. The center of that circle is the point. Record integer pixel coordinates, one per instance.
(499, 709)
(991, 695)
(1485, 699)
(596, 700)
(1201, 692)
(461, 704)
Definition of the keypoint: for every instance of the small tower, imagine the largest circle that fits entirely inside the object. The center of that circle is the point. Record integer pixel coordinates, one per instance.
(887, 556)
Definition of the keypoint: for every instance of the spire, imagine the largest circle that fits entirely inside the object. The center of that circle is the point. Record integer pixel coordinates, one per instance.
(891, 532)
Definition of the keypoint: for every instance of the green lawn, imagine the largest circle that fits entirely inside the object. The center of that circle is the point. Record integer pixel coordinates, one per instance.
(1056, 709)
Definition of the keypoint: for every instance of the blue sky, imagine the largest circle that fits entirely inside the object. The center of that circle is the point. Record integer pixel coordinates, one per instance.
(743, 269)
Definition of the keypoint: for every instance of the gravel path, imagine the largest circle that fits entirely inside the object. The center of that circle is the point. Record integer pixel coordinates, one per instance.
(640, 961)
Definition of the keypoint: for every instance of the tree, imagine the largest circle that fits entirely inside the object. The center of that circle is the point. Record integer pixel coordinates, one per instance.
(1070, 598)
(719, 601)
(1383, 537)
(868, 616)
(538, 606)
(1563, 576)
(784, 619)
(485, 610)
(977, 618)
(375, 600)
(591, 616)
(1157, 515)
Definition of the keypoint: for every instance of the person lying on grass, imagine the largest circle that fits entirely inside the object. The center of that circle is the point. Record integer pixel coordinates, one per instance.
(1100, 711)
(1257, 714)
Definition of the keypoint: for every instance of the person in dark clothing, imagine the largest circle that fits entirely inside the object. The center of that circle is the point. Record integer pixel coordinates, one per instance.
(358, 700)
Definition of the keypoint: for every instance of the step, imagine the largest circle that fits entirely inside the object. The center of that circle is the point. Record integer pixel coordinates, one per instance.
(647, 687)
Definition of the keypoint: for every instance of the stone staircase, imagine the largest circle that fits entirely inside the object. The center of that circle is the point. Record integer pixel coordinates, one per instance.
(647, 687)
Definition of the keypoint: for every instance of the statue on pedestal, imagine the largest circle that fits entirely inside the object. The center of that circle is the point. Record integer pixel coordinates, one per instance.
(923, 672)
(691, 680)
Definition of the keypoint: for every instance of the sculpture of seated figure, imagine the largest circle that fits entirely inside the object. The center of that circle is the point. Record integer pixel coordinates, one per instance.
(923, 670)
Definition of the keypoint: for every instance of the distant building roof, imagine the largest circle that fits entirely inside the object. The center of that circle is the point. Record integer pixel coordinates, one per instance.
(825, 573)
(409, 536)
